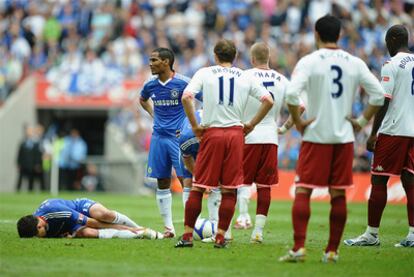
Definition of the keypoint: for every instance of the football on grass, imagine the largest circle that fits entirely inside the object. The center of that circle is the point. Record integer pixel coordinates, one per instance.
(204, 228)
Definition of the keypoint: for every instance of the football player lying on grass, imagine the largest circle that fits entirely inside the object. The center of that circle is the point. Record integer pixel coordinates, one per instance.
(80, 218)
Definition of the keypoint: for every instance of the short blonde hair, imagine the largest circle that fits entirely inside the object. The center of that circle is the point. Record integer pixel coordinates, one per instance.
(260, 52)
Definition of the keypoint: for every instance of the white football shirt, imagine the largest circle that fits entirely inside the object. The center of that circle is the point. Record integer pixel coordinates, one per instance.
(266, 131)
(225, 94)
(330, 78)
(397, 78)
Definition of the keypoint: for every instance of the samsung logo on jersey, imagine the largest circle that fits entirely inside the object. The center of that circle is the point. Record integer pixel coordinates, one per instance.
(404, 61)
(166, 102)
(218, 70)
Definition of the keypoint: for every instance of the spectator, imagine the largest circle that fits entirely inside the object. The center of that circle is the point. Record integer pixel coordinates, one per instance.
(92, 181)
(71, 160)
(29, 160)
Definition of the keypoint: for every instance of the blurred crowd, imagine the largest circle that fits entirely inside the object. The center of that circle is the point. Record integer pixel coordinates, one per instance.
(39, 151)
(87, 47)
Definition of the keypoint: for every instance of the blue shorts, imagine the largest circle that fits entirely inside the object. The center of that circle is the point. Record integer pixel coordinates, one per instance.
(164, 153)
(83, 205)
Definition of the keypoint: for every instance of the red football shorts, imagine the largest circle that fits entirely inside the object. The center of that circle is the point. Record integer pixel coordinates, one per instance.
(392, 155)
(325, 165)
(220, 158)
(260, 164)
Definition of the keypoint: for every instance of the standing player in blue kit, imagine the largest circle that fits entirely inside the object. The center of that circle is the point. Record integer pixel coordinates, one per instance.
(161, 98)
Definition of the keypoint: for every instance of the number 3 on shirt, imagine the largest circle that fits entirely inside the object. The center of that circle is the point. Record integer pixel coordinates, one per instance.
(221, 91)
(412, 83)
(337, 81)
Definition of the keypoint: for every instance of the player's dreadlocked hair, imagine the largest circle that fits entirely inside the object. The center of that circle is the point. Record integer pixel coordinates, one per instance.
(165, 53)
(225, 50)
(27, 226)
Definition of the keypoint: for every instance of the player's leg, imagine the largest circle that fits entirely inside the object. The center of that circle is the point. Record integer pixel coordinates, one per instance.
(213, 204)
(19, 180)
(337, 220)
(164, 201)
(407, 179)
(188, 182)
(243, 198)
(267, 176)
(313, 171)
(262, 209)
(107, 233)
(31, 179)
(101, 213)
(390, 157)
(159, 167)
(340, 179)
(192, 211)
(226, 212)
(231, 178)
(251, 165)
(206, 175)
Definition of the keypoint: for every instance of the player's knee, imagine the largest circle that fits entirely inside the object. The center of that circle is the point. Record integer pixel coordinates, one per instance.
(303, 190)
(164, 183)
(336, 192)
(379, 180)
(107, 216)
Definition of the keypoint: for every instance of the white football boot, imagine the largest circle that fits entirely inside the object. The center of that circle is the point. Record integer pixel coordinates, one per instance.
(366, 239)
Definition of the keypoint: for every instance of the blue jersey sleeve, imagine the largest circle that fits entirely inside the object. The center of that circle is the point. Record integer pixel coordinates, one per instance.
(145, 93)
(78, 218)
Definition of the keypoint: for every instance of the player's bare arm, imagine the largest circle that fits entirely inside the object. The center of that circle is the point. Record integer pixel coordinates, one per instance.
(295, 112)
(289, 123)
(362, 121)
(265, 107)
(147, 105)
(189, 110)
(189, 163)
(379, 117)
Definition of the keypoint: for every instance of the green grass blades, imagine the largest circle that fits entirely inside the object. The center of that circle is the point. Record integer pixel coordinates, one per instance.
(82, 257)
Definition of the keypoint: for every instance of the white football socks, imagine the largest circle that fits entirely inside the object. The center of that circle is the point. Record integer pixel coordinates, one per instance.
(259, 223)
(164, 201)
(213, 204)
(410, 235)
(186, 194)
(243, 198)
(122, 234)
(124, 220)
(372, 230)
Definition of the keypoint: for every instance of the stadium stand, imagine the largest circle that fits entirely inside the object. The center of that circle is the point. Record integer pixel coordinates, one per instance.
(96, 51)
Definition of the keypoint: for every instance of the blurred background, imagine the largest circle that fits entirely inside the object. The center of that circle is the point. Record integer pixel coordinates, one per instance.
(71, 72)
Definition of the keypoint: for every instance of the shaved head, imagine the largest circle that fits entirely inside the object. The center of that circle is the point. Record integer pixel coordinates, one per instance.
(260, 52)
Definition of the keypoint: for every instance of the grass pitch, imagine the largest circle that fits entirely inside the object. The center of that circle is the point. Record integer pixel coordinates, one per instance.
(83, 257)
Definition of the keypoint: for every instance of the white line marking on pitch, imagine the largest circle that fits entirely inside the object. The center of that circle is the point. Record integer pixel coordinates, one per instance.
(7, 221)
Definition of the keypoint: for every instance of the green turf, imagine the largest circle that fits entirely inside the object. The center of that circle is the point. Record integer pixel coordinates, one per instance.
(67, 257)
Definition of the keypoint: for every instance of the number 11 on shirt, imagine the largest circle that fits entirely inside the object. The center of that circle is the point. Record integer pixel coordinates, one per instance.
(221, 91)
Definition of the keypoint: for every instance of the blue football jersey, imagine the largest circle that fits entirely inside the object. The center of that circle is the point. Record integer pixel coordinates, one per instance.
(189, 144)
(61, 217)
(168, 109)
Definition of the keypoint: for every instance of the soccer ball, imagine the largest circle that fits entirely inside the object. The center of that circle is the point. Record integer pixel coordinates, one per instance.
(204, 228)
